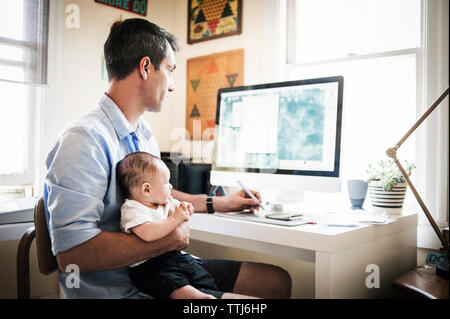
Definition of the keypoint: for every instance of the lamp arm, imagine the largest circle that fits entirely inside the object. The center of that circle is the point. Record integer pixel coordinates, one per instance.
(422, 204)
(423, 117)
(392, 152)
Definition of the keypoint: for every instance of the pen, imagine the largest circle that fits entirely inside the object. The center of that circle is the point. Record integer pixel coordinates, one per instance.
(249, 194)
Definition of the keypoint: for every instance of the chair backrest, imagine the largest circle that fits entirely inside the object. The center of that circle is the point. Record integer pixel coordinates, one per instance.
(47, 262)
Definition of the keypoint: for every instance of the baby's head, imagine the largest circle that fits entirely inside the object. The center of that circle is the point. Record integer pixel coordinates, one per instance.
(144, 178)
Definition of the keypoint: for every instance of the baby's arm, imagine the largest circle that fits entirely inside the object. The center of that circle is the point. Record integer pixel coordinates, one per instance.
(155, 230)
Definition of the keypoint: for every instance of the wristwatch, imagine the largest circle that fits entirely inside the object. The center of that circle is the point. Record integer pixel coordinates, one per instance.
(209, 205)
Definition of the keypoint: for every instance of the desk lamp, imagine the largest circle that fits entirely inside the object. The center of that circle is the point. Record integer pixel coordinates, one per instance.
(441, 266)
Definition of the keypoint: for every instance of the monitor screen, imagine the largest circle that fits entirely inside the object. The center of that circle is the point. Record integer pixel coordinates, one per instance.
(291, 128)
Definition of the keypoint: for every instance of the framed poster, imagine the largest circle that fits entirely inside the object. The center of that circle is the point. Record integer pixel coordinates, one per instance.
(212, 19)
(205, 76)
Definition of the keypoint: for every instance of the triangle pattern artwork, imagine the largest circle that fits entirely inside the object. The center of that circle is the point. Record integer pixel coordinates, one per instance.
(212, 25)
(214, 71)
(200, 17)
(194, 84)
(227, 11)
(213, 18)
(213, 67)
(213, 8)
(231, 78)
(195, 112)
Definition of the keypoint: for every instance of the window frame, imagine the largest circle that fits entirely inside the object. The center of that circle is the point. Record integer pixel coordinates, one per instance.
(433, 188)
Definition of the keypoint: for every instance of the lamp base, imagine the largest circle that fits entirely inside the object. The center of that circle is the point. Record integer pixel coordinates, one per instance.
(442, 268)
(442, 263)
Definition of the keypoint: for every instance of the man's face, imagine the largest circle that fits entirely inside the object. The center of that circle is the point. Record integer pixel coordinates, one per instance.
(160, 83)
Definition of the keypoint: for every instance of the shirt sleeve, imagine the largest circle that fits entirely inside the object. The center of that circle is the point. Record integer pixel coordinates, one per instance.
(76, 181)
(133, 215)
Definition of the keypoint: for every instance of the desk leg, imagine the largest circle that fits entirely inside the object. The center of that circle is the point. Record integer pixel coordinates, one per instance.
(323, 282)
(350, 273)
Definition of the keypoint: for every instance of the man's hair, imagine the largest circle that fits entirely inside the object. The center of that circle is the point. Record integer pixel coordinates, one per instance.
(131, 40)
(130, 171)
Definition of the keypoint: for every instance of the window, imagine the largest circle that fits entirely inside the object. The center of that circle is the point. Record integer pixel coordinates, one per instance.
(326, 29)
(23, 68)
(23, 41)
(385, 50)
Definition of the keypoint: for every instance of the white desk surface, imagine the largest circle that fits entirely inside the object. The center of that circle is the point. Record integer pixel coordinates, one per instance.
(340, 254)
(318, 237)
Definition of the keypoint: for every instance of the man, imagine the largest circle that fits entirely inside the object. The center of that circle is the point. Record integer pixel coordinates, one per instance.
(81, 193)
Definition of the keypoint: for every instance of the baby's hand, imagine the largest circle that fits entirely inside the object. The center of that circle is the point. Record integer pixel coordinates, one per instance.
(188, 207)
(180, 214)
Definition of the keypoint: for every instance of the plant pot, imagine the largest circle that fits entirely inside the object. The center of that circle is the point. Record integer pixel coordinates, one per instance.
(388, 201)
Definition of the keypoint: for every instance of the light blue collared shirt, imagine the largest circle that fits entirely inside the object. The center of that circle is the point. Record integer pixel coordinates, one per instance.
(81, 194)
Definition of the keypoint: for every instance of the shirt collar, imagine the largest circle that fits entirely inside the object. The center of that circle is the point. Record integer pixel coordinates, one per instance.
(119, 121)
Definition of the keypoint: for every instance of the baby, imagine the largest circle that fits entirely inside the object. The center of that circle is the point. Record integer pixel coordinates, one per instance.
(151, 213)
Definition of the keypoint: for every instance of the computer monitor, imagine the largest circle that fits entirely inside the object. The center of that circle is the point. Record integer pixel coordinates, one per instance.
(283, 137)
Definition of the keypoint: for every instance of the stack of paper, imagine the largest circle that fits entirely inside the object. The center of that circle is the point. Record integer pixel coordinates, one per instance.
(353, 219)
(343, 220)
(375, 219)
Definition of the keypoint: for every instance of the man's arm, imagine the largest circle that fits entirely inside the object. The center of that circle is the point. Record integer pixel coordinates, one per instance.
(198, 201)
(119, 250)
(234, 202)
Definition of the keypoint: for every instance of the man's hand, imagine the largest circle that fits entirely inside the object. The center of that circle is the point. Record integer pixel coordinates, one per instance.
(180, 237)
(236, 202)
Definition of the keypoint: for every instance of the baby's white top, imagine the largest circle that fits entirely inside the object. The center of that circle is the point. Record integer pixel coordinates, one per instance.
(134, 213)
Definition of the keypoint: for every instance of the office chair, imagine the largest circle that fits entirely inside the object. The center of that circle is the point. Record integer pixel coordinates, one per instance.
(46, 261)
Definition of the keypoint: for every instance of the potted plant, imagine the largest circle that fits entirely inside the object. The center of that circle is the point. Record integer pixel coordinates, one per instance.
(387, 186)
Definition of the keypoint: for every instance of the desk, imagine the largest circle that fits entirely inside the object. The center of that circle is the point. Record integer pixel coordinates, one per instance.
(340, 254)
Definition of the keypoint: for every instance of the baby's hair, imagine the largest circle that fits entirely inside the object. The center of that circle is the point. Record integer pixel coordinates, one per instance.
(131, 169)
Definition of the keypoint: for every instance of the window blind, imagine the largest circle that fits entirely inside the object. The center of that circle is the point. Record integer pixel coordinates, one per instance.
(23, 41)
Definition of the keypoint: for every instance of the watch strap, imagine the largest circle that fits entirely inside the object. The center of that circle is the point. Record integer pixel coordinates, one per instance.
(209, 205)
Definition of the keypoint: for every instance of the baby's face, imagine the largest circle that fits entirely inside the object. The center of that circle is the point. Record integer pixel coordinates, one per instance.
(160, 188)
